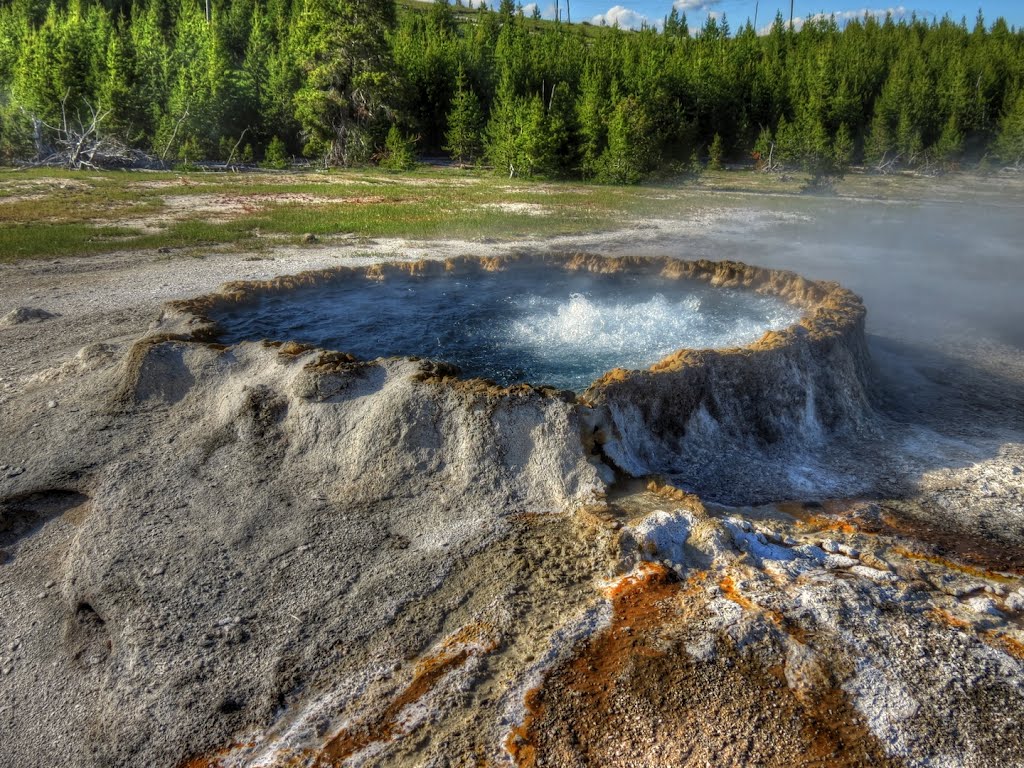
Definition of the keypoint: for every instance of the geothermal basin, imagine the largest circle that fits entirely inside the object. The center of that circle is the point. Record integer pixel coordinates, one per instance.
(526, 323)
(271, 553)
(674, 363)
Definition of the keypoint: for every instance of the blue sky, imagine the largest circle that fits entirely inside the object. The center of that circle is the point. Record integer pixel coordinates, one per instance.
(631, 13)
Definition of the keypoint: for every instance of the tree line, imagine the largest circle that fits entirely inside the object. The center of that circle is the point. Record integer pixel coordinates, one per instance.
(344, 82)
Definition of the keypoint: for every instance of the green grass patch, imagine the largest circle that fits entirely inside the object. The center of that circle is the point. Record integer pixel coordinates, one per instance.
(35, 241)
(48, 213)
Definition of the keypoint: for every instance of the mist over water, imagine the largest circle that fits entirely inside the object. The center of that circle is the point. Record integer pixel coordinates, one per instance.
(943, 283)
(928, 271)
(539, 326)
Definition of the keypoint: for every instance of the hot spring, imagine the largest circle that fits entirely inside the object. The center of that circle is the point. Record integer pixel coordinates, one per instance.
(544, 326)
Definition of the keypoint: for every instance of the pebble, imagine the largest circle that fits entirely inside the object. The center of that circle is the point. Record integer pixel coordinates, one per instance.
(51, 404)
(51, 584)
(15, 471)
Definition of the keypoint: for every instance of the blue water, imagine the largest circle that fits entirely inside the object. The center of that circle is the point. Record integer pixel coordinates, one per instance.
(539, 326)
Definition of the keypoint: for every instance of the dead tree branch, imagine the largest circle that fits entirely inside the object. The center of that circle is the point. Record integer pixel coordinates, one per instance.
(234, 149)
(886, 164)
(81, 143)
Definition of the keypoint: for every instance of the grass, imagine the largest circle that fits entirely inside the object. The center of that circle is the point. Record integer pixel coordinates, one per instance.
(47, 213)
(61, 239)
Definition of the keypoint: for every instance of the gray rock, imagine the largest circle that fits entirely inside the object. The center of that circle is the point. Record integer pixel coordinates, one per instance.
(25, 315)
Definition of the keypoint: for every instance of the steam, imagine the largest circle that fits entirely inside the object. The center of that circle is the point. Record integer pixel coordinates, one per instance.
(941, 279)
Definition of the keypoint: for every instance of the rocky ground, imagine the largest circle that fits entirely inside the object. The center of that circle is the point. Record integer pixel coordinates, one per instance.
(267, 556)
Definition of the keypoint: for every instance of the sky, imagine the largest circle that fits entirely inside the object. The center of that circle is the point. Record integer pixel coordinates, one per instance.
(633, 13)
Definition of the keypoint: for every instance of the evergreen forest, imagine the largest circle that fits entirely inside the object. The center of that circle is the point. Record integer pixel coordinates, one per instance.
(347, 82)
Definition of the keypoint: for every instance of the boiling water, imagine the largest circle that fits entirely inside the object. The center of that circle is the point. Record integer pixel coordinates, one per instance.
(541, 326)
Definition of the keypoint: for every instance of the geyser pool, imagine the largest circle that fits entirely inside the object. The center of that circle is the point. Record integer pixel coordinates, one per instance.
(543, 326)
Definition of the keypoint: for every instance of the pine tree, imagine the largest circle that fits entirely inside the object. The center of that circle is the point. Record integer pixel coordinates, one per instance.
(254, 78)
(715, 153)
(277, 99)
(504, 132)
(842, 149)
(788, 145)
(1009, 145)
(562, 131)
(398, 151)
(350, 85)
(536, 157)
(591, 111)
(764, 150)
(465, 122)
(276, 155)
(880, 145)
(201, 92)
(671, 27)
(151, 64)
(950, 144)
(119, 92)
(630, 154)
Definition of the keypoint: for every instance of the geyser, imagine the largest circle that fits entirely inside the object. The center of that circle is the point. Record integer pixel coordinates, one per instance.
(528, 323)
(722, 374)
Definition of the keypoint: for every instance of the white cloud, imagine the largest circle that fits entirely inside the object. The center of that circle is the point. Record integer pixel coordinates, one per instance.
(528, 9)
(694, 5)
(841, 17)
(624, 17)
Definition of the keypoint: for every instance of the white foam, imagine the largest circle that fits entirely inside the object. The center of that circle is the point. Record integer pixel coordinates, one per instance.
(639, 333)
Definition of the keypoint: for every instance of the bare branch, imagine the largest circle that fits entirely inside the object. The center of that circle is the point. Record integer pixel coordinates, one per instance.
(174, 134)
(82, 143)
(235, 148)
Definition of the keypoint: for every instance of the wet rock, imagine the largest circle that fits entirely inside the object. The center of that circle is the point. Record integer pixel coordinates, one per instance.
(706, 413)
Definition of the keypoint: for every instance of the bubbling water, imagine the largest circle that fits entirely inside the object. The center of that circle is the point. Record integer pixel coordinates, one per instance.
(549, 327)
